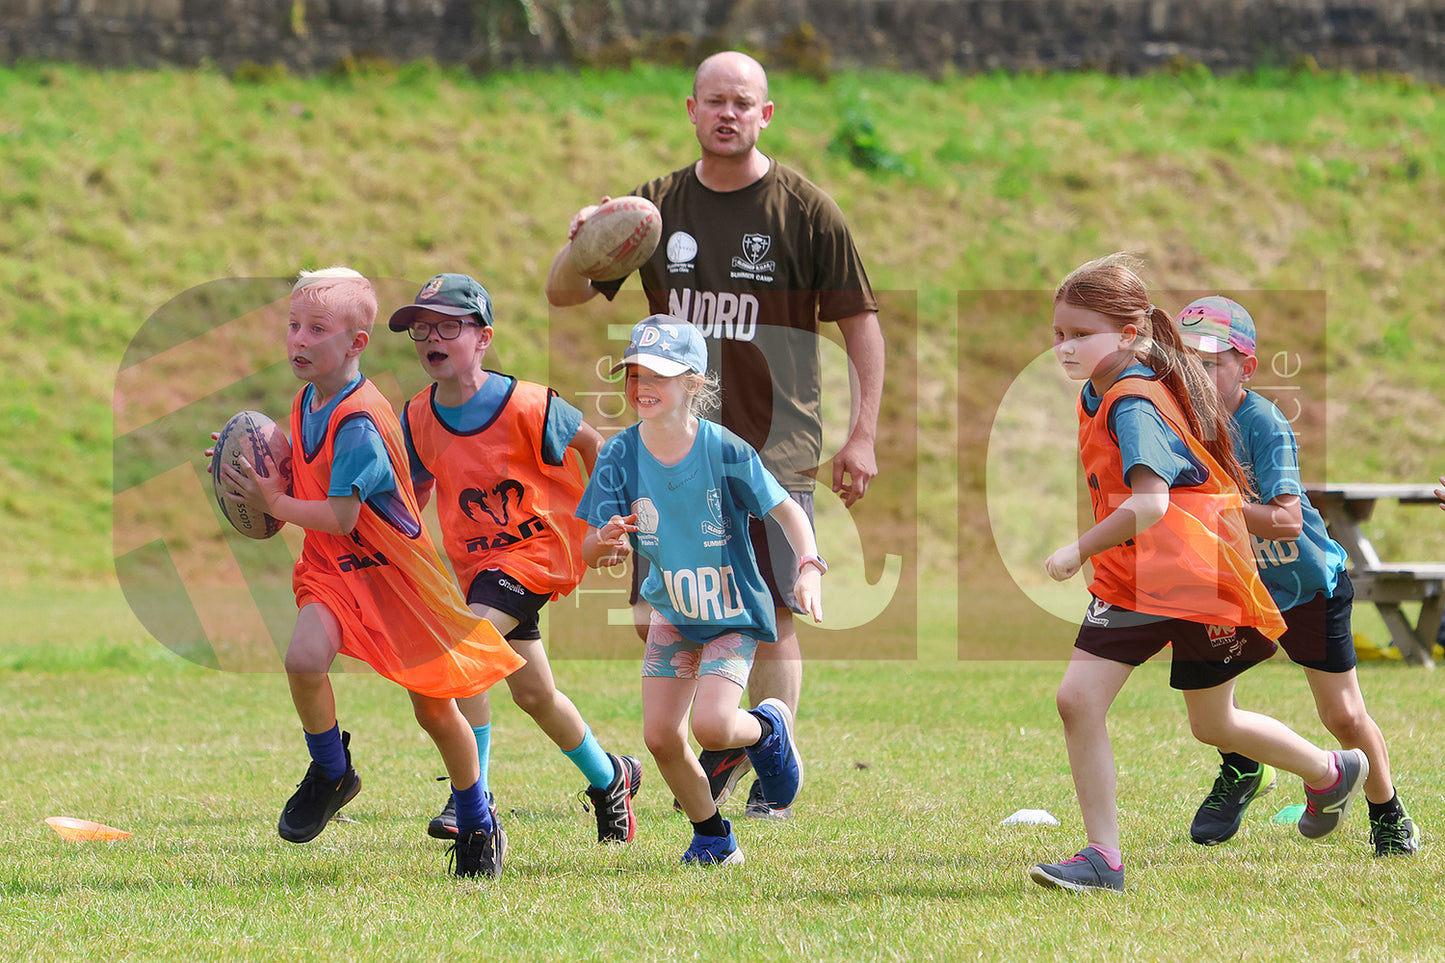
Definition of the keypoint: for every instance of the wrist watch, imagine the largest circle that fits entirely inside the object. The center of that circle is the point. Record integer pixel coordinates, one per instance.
(813, 560)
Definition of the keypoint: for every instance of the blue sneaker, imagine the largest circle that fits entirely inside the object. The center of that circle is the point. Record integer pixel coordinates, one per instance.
(714, 850)
(778, 766)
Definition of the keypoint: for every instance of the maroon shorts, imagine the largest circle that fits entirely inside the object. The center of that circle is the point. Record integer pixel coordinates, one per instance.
(1204, 655)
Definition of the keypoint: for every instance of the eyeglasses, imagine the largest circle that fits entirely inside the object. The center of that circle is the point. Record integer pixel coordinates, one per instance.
(446, 330)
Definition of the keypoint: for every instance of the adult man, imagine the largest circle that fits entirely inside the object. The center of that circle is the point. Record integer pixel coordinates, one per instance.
(756, 256)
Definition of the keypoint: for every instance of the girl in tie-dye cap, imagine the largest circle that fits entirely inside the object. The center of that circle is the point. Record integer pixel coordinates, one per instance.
(1304, 570)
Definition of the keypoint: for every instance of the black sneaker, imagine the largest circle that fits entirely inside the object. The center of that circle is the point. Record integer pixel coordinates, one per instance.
(616, 822)
(317, 799)
(758, 807)
(1223, 809)
(1395, 834)
(479, 853)
(723, 768)
(444, 824)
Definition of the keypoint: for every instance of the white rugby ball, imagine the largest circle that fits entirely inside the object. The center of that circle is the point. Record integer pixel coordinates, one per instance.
(250, 434)
(617, 238)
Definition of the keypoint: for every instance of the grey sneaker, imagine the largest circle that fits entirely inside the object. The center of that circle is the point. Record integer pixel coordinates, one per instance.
(1325, 810)
(1084, 873)
(1395, 834)
(1223, 809)
(723, 769)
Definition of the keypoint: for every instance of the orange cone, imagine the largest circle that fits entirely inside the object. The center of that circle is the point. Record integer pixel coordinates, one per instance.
(83, 830)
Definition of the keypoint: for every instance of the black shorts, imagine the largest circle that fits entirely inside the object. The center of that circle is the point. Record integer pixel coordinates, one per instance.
(776, 559)
(1319, 635)
(498, 590)
(1204, 655)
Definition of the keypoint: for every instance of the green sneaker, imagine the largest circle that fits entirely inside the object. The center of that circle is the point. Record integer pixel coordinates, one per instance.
(1223, 809)
(1395, 834)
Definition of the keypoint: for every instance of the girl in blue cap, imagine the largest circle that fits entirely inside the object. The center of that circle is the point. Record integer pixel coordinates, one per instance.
(678, 489)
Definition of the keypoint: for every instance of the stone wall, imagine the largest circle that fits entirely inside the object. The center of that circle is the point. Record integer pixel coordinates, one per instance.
(919, 35)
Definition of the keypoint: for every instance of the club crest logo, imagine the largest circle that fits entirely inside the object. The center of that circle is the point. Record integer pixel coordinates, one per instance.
(646, 513)
(717, 526)
(1098, 612)
(755, 248)
(431, 289)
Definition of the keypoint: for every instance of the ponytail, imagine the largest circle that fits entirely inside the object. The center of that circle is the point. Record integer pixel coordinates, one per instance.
(1111, 287)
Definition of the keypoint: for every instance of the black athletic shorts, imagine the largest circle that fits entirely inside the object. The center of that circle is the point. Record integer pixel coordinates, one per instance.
(1319, 635)
(1204, 655)
(498, 590)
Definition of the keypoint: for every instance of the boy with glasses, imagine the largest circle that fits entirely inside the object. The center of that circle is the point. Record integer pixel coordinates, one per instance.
(505, 459)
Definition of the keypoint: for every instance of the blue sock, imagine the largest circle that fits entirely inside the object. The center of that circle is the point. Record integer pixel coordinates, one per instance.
(472, 811)
(594, 763)
(484, 754)
(327, 751)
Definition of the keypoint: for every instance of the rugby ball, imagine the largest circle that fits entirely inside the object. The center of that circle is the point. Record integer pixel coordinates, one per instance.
(251, 435)
(617, 238)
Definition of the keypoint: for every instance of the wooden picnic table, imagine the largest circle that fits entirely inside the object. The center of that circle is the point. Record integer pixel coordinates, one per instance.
(1345, 506)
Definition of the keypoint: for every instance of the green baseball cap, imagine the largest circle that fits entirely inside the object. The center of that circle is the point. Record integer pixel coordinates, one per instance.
(453, 294)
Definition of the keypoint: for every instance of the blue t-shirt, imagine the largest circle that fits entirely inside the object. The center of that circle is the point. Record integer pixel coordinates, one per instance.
(360, 464)
(1294, 572)
(563, 421)
(692, 521)
(1145, 438)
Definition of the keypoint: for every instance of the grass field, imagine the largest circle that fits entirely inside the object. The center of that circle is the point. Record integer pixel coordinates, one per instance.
(896, 851)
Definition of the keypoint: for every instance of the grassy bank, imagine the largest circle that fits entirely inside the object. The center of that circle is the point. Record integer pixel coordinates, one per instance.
(125, 190)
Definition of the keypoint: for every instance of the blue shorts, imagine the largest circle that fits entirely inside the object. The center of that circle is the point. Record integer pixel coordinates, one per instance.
(1319, 635)
(497, 590)
(670, 655)
(1204, 655)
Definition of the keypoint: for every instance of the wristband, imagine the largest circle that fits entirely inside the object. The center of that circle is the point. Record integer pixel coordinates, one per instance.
(813, 560)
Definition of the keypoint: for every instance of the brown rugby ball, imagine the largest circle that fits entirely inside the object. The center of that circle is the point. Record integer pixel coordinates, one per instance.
(250, 434)
(617, 238)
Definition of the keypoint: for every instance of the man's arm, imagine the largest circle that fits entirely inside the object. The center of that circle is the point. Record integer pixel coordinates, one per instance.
(863, 340)
(565, 286)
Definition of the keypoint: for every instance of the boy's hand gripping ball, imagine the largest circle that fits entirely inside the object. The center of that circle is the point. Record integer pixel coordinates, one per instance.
(252, 435)
(617, 238)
